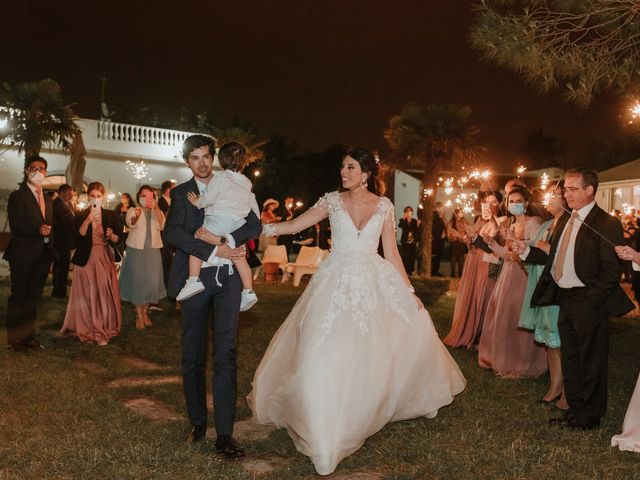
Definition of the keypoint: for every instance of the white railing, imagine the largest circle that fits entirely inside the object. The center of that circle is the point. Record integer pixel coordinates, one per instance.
(123, 132)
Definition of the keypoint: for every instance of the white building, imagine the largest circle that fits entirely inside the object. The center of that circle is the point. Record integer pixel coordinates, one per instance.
(109, 146)
(620, 187)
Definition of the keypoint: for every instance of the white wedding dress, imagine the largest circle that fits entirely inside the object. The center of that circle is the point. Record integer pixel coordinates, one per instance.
(355, 353)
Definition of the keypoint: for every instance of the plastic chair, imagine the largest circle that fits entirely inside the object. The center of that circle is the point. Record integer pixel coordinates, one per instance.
(306, 263)
(274, 254)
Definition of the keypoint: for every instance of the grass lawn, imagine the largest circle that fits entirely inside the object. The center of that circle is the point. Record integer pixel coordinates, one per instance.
(59, 420)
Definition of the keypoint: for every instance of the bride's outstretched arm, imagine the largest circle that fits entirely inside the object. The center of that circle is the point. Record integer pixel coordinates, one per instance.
(312, 216)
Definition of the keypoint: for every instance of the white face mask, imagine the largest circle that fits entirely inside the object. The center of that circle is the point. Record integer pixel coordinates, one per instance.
(37, 178)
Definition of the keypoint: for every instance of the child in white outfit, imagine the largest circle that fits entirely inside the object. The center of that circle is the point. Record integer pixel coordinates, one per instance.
(227, 201)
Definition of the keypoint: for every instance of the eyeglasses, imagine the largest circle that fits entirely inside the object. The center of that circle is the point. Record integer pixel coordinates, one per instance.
(37, 169)
(574, 189)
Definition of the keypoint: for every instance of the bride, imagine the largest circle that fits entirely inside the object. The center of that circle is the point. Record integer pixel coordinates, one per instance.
(358, 350)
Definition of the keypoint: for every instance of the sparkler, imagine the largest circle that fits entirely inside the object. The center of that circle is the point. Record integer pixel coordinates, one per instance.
(137, 169)
(635, 111)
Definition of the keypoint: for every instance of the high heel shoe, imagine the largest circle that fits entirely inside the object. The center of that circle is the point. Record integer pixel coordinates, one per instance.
(547, 403)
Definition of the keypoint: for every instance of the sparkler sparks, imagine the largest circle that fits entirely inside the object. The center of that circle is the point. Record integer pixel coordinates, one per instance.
(137, 169)
(635, 111)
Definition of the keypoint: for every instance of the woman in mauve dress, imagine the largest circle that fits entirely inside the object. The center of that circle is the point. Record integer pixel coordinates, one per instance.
(476, 285)
(93, 312)
(507, 349)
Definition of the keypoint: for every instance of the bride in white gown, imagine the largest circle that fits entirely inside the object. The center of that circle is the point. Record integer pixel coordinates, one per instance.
(358, 350)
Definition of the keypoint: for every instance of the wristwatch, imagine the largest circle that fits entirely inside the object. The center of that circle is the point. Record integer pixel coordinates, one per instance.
(223, 240)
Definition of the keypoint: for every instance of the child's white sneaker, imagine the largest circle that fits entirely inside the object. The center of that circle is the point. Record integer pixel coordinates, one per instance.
(191, 288)
(249, 299)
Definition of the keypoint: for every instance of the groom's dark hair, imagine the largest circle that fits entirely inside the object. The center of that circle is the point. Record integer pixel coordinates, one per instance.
(196, 141)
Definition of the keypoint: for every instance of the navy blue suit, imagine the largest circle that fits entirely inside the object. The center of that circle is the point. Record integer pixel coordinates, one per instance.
(182, 222)
(29, 257)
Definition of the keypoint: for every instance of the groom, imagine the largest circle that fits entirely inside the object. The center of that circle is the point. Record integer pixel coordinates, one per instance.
(220, 297)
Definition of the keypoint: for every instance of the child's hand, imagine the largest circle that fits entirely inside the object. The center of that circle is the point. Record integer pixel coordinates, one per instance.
(193, 198)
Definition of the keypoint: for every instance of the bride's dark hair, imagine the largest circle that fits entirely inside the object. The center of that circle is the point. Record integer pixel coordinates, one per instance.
(369, 164)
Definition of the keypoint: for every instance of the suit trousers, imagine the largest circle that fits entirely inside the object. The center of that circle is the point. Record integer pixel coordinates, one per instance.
(584, 336)
(61, 272)
(224, 302)
(28, 276)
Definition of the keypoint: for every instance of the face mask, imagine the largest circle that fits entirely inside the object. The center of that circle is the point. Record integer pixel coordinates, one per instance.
(37, 178)
(516, 209)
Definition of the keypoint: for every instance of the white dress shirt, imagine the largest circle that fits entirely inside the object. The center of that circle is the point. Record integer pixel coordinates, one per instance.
(569, 277)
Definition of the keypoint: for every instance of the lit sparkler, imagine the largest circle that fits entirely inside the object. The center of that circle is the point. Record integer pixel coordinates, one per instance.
(138, 169)
(635, 111)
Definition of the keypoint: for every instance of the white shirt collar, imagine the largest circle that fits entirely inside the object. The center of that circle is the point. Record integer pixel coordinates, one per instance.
(584, 211)
(33, 188)
(201, 185)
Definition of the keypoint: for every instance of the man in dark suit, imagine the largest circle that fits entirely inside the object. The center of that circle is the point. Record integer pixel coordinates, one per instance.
(437, 239)
(409, 239)
(582, 275)
(167, 250)
(221, 296)
(29, 254)
(64, 220)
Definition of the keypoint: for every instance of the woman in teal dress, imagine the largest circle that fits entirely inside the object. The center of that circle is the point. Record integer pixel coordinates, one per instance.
(544, 320)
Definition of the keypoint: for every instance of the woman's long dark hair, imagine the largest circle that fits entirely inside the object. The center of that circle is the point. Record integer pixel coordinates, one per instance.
(369, 164)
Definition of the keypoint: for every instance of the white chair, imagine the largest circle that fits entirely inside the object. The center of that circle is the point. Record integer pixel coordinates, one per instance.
(307, 262)
(274, 254)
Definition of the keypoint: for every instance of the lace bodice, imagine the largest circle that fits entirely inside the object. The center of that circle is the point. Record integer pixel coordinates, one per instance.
(345, 237)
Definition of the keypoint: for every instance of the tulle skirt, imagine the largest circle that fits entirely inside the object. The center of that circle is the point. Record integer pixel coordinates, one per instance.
(354, 354)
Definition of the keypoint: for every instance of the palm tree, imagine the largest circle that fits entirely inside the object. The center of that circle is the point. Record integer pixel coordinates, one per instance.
(36, 116)
(432, 138)
(243, 135)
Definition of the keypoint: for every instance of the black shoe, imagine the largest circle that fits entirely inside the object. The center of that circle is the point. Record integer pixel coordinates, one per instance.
(562, 419)
(585, 423)
(198, 433)
(228, 447)
(32, 345)
(59, 295)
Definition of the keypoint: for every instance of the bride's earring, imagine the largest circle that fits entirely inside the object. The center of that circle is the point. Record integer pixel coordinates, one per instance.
(363, 183)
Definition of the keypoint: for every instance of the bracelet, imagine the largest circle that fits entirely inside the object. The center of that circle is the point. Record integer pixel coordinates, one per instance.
(269, 230)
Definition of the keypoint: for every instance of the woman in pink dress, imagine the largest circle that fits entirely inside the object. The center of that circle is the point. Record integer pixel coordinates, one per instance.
(93, 312)
(504, 347)
(476, 285)
(629, 439)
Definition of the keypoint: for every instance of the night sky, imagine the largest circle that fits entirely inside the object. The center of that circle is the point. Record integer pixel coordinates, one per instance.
(319, 72)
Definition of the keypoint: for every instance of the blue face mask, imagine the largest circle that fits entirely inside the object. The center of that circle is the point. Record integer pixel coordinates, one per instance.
(516, 208)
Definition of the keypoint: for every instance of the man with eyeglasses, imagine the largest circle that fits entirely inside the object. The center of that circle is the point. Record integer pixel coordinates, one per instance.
(582, 275)
(29, 254)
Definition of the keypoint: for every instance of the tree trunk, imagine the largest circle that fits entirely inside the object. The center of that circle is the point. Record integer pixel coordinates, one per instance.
(428, 202)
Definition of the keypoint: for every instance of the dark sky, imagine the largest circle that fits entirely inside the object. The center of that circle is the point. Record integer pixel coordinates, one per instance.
(319, 71)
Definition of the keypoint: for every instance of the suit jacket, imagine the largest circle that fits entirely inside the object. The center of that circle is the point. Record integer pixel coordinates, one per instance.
(25, 220)
(84, 244)
(596, 264)
(64, 221)
(183, 221)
